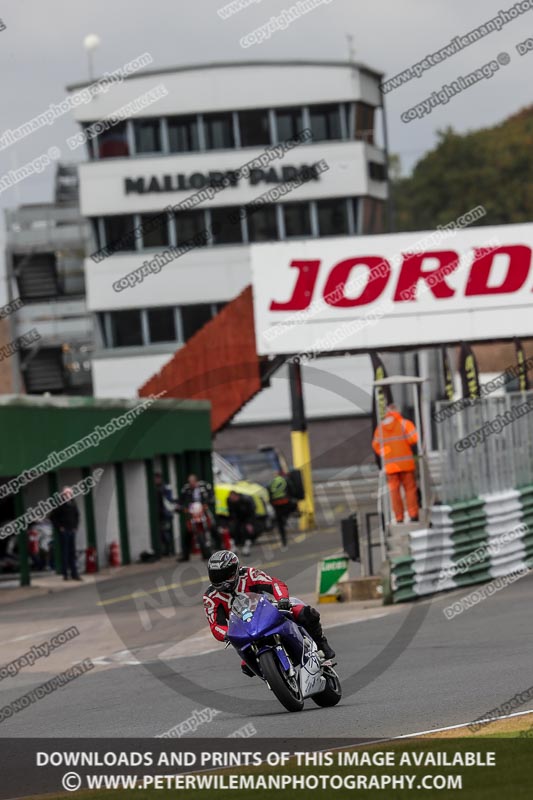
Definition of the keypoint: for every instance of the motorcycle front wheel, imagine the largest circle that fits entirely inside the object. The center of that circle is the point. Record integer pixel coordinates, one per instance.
(331, 695)
(286, 689)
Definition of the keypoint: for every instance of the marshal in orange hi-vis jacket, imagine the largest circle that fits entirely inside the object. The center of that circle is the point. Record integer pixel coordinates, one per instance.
(394, 439)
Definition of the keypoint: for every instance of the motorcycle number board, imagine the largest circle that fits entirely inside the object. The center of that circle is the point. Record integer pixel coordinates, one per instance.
(359, 293)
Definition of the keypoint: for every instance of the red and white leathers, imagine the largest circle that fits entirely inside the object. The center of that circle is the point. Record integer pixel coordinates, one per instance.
(251, 579)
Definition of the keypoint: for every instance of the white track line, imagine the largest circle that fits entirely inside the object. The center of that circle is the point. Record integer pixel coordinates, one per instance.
(463, 725)
(30, 636)
(420, 733)
(384, 741)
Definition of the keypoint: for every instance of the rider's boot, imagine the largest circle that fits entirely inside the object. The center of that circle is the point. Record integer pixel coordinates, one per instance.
(323, 644)
(245, 669)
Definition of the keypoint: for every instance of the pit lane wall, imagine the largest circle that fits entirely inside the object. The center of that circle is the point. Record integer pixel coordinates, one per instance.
(468, 543)
(482, 528)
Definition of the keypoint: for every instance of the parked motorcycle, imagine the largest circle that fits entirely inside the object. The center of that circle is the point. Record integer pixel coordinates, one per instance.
(198, 524)
(281, 652)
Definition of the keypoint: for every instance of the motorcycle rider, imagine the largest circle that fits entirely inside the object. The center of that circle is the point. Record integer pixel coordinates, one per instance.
(282, 503)
(228, 577)
(241, 510)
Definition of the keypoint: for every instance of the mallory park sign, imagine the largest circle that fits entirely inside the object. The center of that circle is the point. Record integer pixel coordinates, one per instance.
(199, 180)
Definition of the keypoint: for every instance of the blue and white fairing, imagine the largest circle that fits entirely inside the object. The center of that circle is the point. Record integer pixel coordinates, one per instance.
(255, 625)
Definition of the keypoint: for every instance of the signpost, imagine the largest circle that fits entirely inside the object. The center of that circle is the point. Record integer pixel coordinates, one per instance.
(331, 571)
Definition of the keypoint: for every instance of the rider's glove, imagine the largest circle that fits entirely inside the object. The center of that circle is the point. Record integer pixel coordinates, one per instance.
(284, 604)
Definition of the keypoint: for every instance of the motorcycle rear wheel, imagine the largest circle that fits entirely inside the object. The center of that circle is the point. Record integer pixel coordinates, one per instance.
(201, 538)
(289, 697)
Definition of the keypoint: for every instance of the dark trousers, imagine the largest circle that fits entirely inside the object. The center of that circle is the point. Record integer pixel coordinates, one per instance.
(309, 618)
(185, 538)
(282, 513)
(165, 536)
(216, 539)
(67, 540)
(241, 531)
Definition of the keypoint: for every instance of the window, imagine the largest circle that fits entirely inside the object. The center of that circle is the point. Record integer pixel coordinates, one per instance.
(348, 111)
(113, 143)
(226, 225)
(147, 135)
(377, 171)
(325, 122)
(289, 123)
(262, 224)
(155, 230)
(297, 219)
(254, 128)
(127, 328)
(119, 232)
(188, 224)
(103, 328)
(161, 324)
(355, 212)
(364, 122)
(96, 232)
(183, 134)
(193, 318)
(219, 131)
(91, 140)
(373, 215)
(332, 217)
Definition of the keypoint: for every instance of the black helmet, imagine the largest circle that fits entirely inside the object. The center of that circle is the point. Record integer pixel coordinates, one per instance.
(223, 570)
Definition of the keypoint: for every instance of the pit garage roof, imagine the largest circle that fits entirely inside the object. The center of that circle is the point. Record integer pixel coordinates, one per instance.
(34, 427)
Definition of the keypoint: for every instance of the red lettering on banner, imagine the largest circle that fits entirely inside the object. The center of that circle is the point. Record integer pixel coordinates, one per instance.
(378, 275)
(337, 287)
(411, 272)
(303, 290)
(517, 270)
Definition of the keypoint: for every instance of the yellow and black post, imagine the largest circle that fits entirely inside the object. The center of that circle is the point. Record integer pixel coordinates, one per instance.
(301, 452)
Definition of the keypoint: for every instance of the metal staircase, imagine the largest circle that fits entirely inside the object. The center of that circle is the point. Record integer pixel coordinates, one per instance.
(36, 276)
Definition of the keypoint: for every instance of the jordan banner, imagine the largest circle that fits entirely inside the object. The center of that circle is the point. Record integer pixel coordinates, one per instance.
(327, 294)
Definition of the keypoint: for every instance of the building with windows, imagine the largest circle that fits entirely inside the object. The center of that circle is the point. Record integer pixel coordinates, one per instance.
(45, 249)
(161, 136)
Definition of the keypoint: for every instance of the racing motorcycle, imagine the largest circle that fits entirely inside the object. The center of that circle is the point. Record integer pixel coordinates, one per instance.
(281, 652)
(198, 526)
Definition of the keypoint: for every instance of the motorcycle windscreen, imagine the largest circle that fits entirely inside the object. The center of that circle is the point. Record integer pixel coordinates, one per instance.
(253, 617)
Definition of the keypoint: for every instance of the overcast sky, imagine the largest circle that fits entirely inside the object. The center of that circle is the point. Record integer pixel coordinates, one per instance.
(41, 51)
